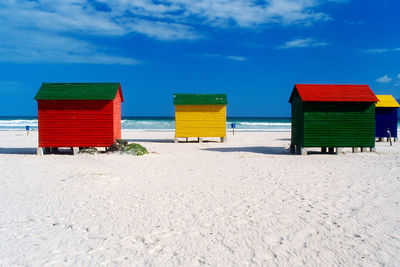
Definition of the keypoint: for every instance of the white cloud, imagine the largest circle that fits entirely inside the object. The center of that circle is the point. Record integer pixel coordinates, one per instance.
(381, 50)
(167, 20)
(59, 16)
(243, 13)
(116, 17)
(297, 43)
(398, 76)
(376, 50)
(384, 79)
(48, 48)
(163, 30)
(236, 58)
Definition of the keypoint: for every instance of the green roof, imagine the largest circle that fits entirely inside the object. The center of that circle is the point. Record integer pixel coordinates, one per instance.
(77, 91)
(200, 99)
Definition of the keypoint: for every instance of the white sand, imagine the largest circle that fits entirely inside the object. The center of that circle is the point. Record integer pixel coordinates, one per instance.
(247, 202)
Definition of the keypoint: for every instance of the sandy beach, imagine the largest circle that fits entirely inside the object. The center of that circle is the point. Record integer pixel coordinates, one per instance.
(247, 202)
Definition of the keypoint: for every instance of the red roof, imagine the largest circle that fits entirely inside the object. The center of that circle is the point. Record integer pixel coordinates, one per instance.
(334, 93)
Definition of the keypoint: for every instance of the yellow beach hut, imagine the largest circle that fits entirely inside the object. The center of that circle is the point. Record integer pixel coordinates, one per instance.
(200, 115)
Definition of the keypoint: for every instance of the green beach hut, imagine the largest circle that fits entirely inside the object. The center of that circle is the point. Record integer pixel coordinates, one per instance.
(332, 116)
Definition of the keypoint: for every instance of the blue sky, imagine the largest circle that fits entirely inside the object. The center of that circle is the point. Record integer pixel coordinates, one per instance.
(252, 50)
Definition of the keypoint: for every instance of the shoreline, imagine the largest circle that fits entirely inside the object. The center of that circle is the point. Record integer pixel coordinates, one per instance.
(168, 124)
(164, 130)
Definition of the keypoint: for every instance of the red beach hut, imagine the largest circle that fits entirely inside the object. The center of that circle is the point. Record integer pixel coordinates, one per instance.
(78, 115)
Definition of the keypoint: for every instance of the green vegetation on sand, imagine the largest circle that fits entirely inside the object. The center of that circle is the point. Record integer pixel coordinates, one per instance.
(88, 150)
(118, 145)
(135, 149)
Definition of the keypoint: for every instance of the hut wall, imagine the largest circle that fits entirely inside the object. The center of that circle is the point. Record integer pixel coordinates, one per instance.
(75, 123)
(339, 124)
(385, 118)
(117, 115)
(200, 120)
(297, 120)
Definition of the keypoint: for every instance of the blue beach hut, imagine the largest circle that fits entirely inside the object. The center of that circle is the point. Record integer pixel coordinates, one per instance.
(386, 117)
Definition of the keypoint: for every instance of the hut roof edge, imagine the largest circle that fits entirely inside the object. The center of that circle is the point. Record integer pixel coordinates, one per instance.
(200, 99)
(334, 93)
(78, 91)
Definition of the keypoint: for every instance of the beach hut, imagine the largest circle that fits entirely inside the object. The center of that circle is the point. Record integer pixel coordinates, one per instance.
(78, 115)
(332, 116)
(386, 117)
(200, 115)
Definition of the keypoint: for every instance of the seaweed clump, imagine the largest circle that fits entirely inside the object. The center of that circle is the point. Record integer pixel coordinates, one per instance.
(118, 145)
(88, 150)
(134, 149)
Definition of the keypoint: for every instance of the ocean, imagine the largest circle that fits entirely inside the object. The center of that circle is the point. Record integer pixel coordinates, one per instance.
(161, 123)
(256, 124)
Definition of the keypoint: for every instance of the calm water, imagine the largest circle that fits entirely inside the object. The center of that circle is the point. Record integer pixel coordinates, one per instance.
(161, 123)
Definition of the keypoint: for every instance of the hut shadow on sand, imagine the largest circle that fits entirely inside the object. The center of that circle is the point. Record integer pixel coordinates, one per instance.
(18, 150)
(255, 149)
(150, 140)
(167, 141)
(31, 151)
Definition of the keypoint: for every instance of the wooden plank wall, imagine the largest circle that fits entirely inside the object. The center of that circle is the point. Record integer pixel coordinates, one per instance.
(117, 116)
(333, 124)
(297, 120)
(75, 123)
(200, 121)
